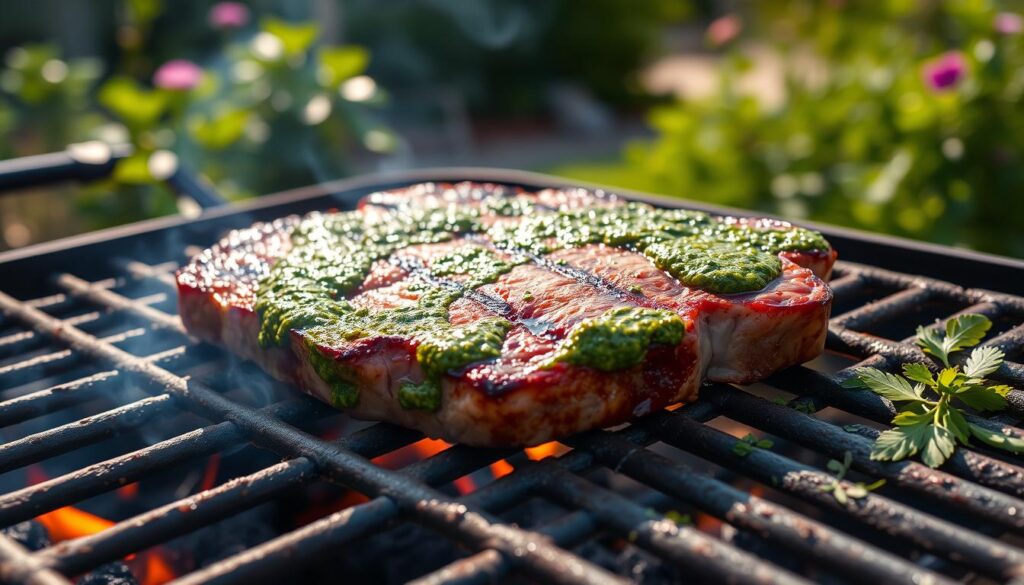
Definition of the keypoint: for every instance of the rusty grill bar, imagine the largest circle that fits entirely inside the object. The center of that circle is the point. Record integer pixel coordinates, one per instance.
(91, 335)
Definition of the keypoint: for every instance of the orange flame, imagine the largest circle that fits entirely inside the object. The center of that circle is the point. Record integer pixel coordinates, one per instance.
(157, 570)
(210, 473)
(69, 522)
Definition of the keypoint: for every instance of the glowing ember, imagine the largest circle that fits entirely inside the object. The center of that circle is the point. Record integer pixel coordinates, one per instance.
(501, 468)
(411, 453)
(129, 491)
(550, 449)
(464, 485)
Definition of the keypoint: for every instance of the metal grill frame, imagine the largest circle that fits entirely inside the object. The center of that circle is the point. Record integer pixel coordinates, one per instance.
(986, 485)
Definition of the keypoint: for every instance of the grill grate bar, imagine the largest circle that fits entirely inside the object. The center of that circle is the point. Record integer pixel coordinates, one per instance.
(17, 565)
(193, 512)
(980, 482)
(985, 470)
(490, 567)
(431, 507)
(58, 440)
(278, 554)
(66, 357)
(271, 557)
(877, 511)
(685, 545)
(824, 437)
(66, 394)
(114, 301)
(106, 475)
(806, 537)
(108, 297)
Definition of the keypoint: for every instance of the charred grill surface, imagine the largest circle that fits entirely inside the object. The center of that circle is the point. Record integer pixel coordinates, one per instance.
(101, 387)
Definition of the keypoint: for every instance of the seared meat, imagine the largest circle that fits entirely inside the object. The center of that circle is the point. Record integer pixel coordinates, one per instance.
(493, 317)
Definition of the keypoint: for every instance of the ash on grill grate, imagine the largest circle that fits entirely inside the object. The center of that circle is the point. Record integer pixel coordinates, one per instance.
(224, 476)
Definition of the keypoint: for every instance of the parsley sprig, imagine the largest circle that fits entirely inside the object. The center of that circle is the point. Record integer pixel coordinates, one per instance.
(842, 493)
(930, 420)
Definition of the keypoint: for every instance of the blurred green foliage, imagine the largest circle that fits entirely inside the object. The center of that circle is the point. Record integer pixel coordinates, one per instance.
(503, 55)
(861, 137)
(271, 84)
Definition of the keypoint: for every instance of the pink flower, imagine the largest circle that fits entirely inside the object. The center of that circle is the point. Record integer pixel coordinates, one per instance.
(229, 15)
(724, 29)
(1008, 23)
(945, 71)
(178, 75)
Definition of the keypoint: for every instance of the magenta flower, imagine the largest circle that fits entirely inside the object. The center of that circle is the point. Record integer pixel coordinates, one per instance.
(178, 75)
(724, 29)
(945, 71)
(225, 15)
(1008, 23)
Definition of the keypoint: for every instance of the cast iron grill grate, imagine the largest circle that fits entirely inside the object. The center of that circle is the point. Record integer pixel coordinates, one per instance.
(75, 342)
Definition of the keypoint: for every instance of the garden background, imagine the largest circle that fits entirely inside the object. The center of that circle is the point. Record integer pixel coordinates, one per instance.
(895, 116)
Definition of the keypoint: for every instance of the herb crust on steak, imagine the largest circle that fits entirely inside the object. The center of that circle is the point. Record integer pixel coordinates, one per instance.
(494, 316)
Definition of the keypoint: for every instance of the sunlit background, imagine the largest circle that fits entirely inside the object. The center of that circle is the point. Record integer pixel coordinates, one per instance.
(898, 116)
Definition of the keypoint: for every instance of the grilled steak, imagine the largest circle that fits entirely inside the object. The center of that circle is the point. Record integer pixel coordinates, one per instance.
(493, 316)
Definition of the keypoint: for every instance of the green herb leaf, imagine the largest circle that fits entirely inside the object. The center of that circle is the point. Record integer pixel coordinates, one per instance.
(842, 493)
(947, 377)
(940, 445)
(875, 484)
(992, 398)
(856, 491)
(901, 442)
(746, 445)
(930, 341)
(919, 373)
(952, 420)
(963, 331)
(966, 331)
(742, 449)
(891, 386)
(909, 418)
(997, 439)
(983, 361)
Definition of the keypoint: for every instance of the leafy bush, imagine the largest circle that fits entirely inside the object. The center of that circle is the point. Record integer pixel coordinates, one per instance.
(902, 117)
(275, 83)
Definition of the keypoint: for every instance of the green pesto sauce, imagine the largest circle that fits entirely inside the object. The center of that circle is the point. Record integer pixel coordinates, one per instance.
(691, 246)
(332, 254)
(619, 338)
(715, 266)
(344, 394)
(425, 396)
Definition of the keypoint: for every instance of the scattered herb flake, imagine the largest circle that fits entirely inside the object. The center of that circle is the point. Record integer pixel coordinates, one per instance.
(746, 445)
(844, 493)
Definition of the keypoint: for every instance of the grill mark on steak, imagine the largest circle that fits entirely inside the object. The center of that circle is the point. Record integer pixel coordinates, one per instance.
(415, 267)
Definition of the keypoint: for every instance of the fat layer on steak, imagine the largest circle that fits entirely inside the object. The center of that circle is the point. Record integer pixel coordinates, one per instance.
(519, 398)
